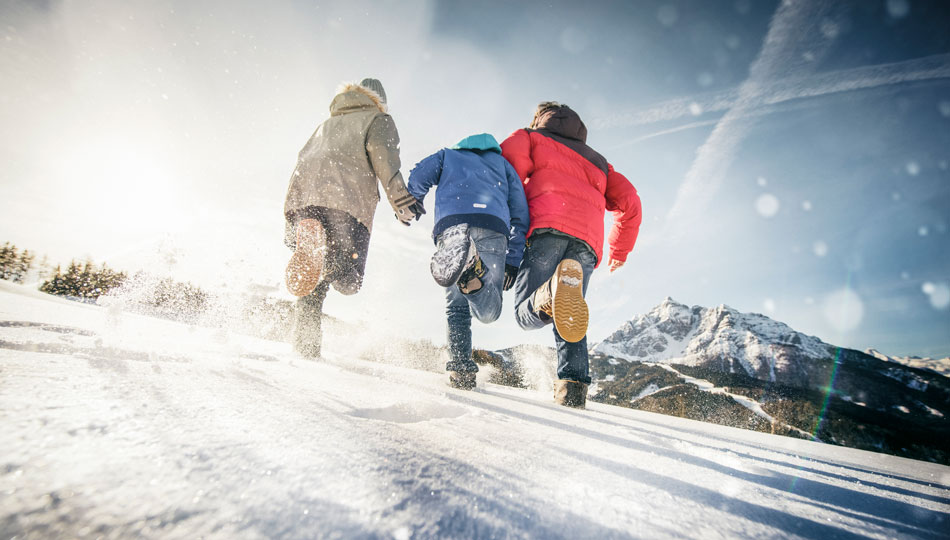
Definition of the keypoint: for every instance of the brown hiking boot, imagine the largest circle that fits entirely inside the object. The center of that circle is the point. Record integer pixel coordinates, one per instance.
(562, 298)
(570, 393)
(306, 265)
(463, 380)
(471, 279)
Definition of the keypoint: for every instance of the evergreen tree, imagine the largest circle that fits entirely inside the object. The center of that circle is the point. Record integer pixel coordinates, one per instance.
(8, 257)
(22, 266)
(55, 284)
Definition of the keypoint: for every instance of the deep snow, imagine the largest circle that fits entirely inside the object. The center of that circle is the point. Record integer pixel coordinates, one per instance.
(118, 425)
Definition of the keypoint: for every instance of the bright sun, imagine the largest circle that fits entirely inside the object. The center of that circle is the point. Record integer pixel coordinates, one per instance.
(119, 185)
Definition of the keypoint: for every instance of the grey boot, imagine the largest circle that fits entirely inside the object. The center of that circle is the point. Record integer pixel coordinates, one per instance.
(308, 319)
(570, 393)
(463, 380)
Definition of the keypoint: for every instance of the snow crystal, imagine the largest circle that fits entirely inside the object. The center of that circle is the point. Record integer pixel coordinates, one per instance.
(761, 181)
(806, 206)
(733, 42)
(943, 165)
(667, 15)
(898, 8)
(844, 310)
(829, 28)
(944, 107)
(769, 305)
(902, 408)
(896, 196)
(573, 40)
(705, 79)
(820, 248)
(923, 230)
(402, 533)
(695, 109)
(767, 205)
(939, 294)
(905, 275)
(913, 168)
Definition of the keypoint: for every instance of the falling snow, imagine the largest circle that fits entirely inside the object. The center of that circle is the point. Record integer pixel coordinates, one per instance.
(767, 205)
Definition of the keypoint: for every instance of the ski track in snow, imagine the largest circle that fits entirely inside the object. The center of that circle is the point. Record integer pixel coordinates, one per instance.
(117, 425)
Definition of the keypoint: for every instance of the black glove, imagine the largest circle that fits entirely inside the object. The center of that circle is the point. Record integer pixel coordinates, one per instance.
(417, 209)
(414, 210)
(511, 272)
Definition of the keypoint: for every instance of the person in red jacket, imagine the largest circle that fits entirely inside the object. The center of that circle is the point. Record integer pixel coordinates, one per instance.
(569, 187)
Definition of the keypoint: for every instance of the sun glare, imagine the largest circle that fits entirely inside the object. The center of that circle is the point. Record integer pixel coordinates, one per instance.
(119, 184)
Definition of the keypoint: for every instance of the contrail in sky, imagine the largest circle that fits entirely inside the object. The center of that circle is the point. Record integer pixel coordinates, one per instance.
(792, 33)
(790, 88)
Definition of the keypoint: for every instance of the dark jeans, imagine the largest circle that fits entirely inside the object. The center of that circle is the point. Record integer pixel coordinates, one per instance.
(543, 253)
(347, 245)
(484, 304)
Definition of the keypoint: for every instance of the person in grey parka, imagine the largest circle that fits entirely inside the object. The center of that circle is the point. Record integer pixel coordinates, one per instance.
(331, 201)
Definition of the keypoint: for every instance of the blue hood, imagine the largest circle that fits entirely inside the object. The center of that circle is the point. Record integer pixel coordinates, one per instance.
(482, 141)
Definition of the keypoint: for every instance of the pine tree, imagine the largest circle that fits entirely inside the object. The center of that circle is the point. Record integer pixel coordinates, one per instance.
(22, 266)
(8, 257)
(55, 284)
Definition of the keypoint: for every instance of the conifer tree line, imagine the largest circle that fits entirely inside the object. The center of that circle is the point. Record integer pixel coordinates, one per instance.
(14, 265)
(87, 281)
(83, 281)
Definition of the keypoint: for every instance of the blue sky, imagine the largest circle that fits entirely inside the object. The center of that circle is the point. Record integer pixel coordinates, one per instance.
(792, 159)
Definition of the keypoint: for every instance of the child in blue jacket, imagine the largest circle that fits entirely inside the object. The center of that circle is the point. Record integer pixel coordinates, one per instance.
(481, 217)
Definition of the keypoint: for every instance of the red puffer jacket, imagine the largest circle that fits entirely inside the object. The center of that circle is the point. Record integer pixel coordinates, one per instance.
(569, 186)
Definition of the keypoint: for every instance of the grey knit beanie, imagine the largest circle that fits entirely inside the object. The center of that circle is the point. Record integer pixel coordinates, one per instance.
(375, 86)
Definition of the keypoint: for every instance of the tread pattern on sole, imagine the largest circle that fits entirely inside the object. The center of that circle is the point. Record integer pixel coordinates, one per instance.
(305, 268)
(569, 307)
(449, 260)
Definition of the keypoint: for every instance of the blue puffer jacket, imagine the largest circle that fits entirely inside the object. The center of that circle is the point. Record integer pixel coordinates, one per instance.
(475, 186)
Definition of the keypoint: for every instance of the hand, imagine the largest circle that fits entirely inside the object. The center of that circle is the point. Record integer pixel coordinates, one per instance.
(511, 272)
(407, 213)
(417, 209)
(614, 264)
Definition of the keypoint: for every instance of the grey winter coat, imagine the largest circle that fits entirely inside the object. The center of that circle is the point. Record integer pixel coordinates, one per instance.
(347, 155)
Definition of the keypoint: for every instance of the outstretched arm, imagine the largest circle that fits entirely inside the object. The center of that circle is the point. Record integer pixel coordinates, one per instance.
(624, 203)
(382, 148)
(426, 174)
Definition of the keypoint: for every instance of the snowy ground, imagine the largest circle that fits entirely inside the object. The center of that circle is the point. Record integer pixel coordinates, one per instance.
(116, 425)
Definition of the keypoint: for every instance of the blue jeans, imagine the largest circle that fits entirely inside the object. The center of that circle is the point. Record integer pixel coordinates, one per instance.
(542, 255)
(484, 304)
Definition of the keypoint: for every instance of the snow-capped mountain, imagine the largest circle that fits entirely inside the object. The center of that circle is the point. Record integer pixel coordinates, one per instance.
(724, 339)
(740, 369)
(940, 365)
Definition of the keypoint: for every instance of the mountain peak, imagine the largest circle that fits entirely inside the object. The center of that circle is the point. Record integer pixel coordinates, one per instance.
(722, 336)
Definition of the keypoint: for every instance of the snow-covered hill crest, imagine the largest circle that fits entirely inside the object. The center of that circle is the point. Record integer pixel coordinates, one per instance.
(719, 337)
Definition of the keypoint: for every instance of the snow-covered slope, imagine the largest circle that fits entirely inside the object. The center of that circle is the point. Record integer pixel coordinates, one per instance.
(721, 338)
(116, 425)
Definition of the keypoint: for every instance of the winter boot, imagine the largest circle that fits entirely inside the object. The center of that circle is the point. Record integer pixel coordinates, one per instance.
(307, 263)
(562, 298)
(570, 393)
(471, 278)
(453, 254)
(463, 380)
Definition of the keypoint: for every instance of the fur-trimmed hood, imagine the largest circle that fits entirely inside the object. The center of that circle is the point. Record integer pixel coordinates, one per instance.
(351, 97)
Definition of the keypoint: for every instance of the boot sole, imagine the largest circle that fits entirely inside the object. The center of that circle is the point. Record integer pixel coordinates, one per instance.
(448, 262)
(569, 309)
(306, 264)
